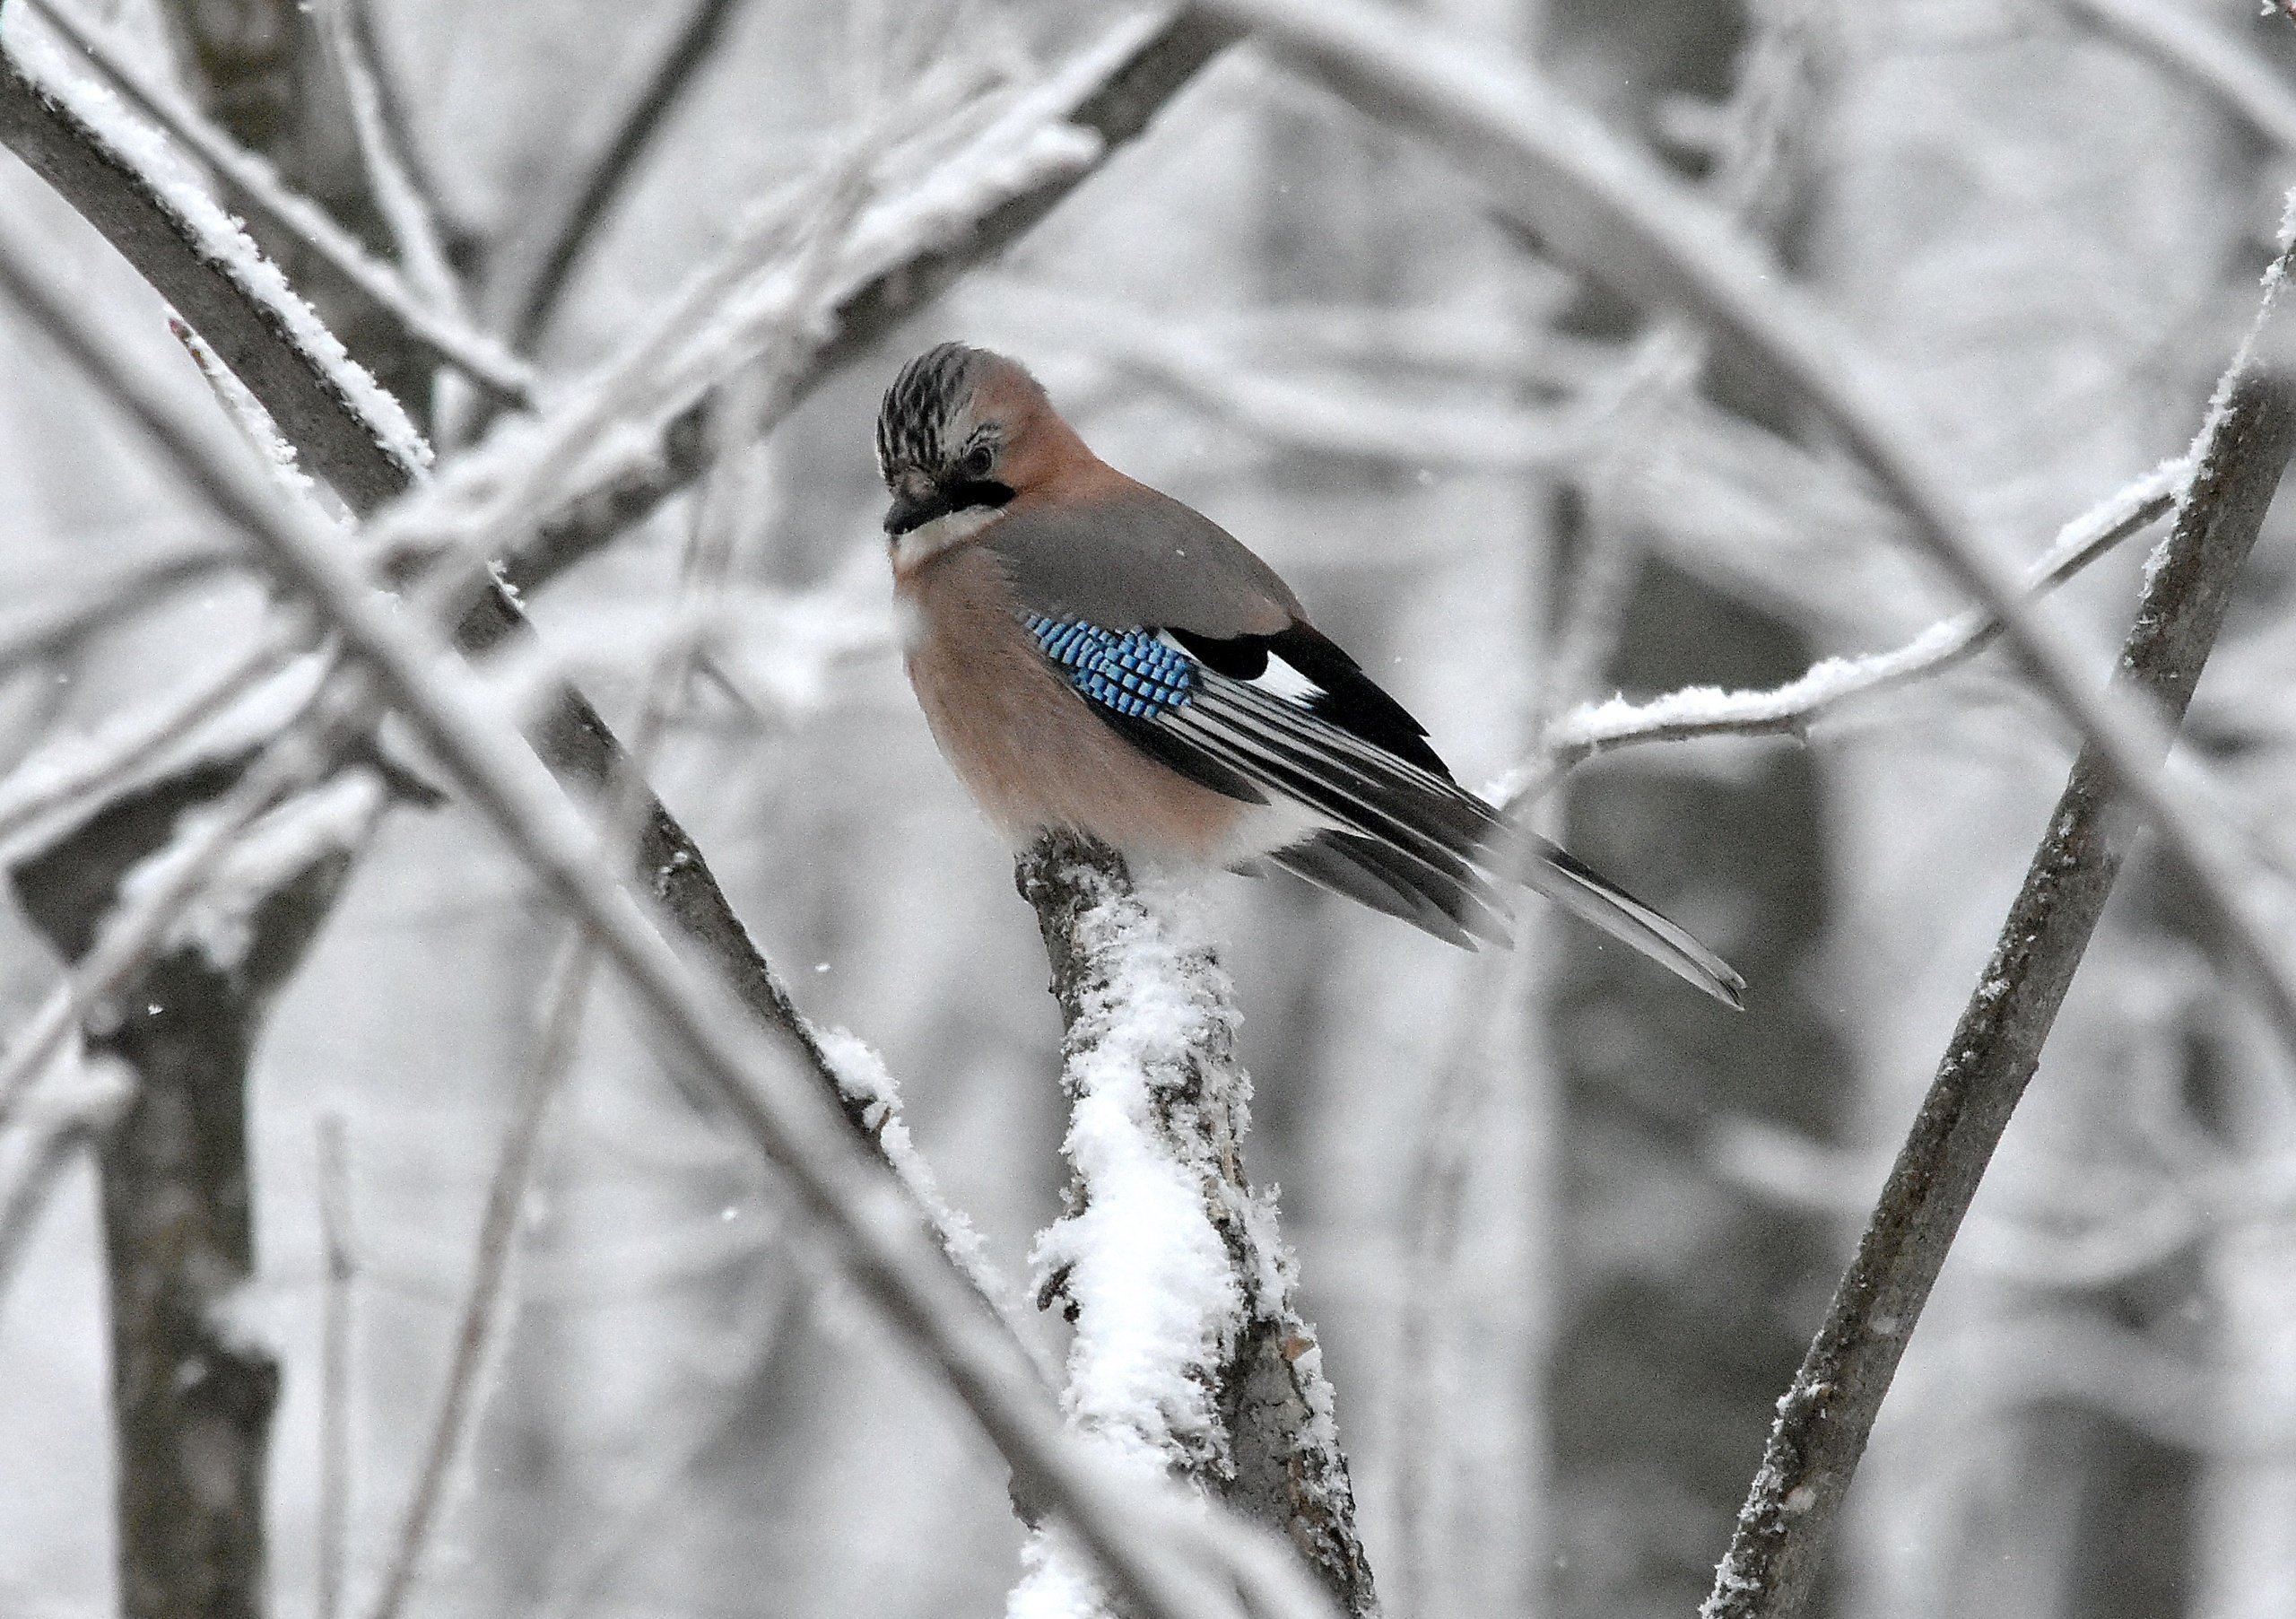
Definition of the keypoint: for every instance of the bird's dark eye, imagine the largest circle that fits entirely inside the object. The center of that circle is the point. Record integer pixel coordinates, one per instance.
(977, 460)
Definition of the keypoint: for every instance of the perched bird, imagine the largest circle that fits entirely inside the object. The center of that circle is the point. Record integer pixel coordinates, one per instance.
(1095, 656)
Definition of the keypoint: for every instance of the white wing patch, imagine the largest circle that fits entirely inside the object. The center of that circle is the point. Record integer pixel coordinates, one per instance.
(1278, 680)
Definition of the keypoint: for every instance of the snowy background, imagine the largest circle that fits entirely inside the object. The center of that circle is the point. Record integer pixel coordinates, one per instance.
(1565, 1225)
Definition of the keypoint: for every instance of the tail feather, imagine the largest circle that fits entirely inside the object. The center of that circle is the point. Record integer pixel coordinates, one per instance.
(1406, 841)
(1591, 897)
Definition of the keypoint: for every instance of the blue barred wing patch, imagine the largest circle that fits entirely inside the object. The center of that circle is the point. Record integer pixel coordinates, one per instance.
(1134, 674)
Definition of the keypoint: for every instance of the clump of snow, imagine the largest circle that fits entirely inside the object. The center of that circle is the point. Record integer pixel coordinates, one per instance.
(222, 240)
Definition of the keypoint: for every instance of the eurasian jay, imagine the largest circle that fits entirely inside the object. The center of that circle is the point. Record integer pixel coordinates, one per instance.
(1093, 655)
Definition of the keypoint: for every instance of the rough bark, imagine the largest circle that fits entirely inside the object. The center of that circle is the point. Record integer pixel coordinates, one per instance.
(1276, 1454)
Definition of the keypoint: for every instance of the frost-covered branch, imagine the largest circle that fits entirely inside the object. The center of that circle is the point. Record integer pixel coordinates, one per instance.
(436, 330)
(1790, 709)
(2195, 48)
(1827, 1413)
(1171, 1563)
(1190, 1355)
(1621, 218)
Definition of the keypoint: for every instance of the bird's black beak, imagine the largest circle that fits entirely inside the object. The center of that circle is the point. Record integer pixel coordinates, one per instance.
(914, 511)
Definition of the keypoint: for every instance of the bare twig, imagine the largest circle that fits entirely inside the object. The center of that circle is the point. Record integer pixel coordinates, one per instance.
(1620, 217)
(1155, 1550)
(347, 27)
(539, 289)
(1826, 1415)
(128, 591)
(479, 1323)
(80, 1122)
(2195, 50)
(339, 1254)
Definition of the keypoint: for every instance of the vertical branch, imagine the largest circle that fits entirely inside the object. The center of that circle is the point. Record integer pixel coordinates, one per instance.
(1826, 1415)
(1190, 1354)
(192, 1397)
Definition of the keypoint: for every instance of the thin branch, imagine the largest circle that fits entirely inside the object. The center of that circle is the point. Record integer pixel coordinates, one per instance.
(479, 1322)
(339, 1254)
(62, 782)
(138, 928)
(79, 1123)
(1790, 709)
(1171, 1560)
(347, 28)
(136, 588)
(326, 410)
(1827, 1413)
(2191, 47)
(601, 187)
(1612, 210)
(439, 330)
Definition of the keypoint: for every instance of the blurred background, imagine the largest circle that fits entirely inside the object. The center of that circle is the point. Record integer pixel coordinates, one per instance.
(1565, 1225)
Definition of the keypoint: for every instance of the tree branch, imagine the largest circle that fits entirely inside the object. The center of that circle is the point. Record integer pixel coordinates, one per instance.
(1790, 709)
(1158, 1206)
(1827, 1413)
(2204, 56)
(538, 289)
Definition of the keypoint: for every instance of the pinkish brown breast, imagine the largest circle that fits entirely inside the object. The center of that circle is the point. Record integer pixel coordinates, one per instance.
(1024, 743)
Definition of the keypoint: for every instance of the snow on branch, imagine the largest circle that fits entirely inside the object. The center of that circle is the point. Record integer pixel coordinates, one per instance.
(1789, 709)
(911, 246)
(1189, 1354)
(1826, 1415)
(435, 328)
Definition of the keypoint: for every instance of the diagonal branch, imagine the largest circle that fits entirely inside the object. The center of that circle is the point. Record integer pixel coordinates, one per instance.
(2195, 50)
(1826, 1415)
(1790, 709)
(538, 289)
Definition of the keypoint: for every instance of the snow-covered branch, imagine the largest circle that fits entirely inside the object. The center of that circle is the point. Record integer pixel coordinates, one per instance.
(434, 329)
(1790, 709)
(1190, 1355)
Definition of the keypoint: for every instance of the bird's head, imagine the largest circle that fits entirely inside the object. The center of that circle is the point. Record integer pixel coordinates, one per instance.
(962, 431)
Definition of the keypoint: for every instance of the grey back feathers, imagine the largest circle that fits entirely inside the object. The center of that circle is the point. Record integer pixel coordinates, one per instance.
(1133, 559)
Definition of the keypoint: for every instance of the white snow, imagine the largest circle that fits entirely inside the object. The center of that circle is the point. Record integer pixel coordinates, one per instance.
(243, 700)
(221, 241)
(863, 1077)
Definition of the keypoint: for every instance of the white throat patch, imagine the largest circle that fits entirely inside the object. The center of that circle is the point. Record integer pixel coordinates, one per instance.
(926, 541)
